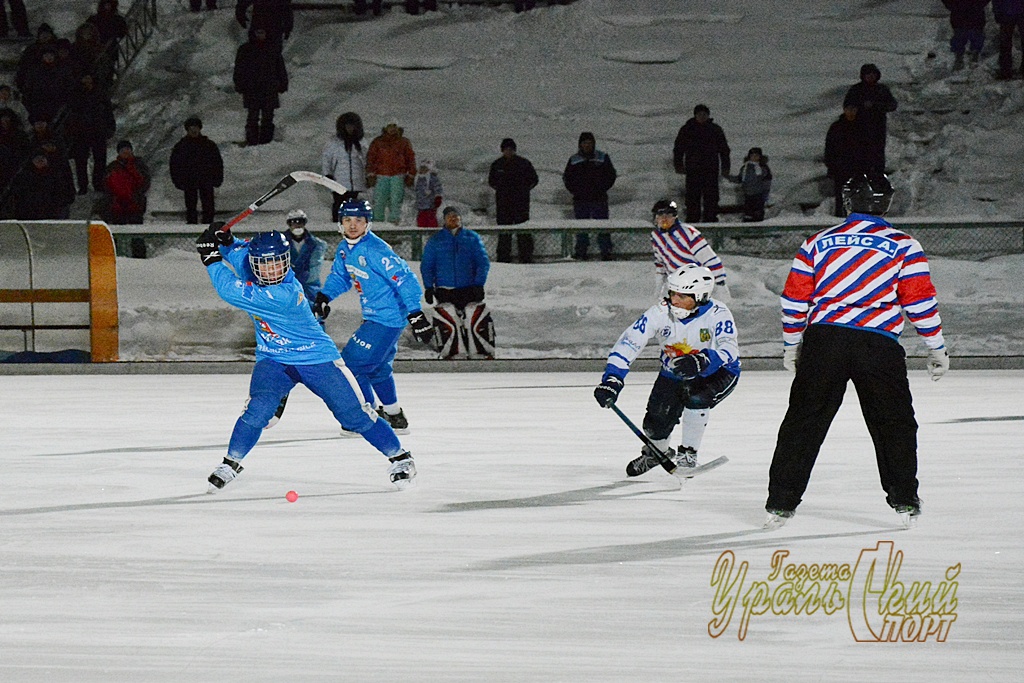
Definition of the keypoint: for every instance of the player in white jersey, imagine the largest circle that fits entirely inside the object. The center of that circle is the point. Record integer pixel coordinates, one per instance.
(699, 364)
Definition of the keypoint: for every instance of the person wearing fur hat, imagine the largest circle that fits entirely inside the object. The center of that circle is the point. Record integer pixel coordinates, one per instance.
(196, 169)
(344, 159)
(873, 101)
(588, 176)
(429, 194)
(390, 168)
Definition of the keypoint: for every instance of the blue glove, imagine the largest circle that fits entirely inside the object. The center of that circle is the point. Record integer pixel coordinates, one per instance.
(691, 365)
(608, 391)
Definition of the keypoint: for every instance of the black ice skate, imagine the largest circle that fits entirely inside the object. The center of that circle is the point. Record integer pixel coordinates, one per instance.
(225, 472)
(646, 461)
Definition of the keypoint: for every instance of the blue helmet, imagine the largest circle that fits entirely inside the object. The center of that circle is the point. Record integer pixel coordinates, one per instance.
(267, 250)
(356, 207)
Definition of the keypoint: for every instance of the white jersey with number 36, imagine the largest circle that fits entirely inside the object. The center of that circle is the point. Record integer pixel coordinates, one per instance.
(712, 329)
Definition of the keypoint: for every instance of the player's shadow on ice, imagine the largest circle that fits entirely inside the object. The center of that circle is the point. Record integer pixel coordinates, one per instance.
(182, 449)
(710, 544)
(189, 499)
(574, 497)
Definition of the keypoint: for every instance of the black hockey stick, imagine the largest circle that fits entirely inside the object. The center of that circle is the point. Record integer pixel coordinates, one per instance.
(282, 185)
(666, 462)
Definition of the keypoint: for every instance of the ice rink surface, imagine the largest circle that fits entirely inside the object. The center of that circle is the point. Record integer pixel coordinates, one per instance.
(523, 554)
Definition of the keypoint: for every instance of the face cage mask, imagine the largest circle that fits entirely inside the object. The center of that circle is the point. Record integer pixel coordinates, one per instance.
(256, 261)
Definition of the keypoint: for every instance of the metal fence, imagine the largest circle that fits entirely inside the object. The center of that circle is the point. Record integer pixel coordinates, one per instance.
(554, 239)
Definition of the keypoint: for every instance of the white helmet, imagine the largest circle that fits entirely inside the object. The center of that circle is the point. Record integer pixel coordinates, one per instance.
(696, 281)
(296, 214)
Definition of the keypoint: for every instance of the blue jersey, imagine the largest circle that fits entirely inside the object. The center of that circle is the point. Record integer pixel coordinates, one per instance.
(286, 330)
(307, 258)
(388, 289)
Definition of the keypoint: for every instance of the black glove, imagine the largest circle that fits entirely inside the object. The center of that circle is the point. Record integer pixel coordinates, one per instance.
(608, 390)
(321, 306)
(428, 296)
(206, 245)
(690, 365)
(223, 237)
(474, 293)
(421, 328)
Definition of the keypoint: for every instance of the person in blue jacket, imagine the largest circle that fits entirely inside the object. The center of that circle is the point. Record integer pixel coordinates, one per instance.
(291, 348)
(389, 296)
(307, 253)
(454, 269)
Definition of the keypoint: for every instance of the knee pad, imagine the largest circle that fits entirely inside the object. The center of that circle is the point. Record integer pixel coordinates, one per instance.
(479, 331)
(449, 330)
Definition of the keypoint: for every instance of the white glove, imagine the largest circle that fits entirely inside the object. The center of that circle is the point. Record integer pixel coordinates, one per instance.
(938, 363)
(790, 356)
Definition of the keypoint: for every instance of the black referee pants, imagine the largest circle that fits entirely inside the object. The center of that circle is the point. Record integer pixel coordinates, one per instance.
(831, 356)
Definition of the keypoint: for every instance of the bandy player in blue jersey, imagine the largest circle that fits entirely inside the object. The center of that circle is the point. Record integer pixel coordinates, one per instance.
(389, 296)
(291, 348)
(843, 308)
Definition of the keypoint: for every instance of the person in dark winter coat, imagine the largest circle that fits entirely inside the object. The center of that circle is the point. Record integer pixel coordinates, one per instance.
(196, 168)
(274, 16)
(42, 192)
(873, 101)
(110, 25)
(45, 38)
(48, 86)
(967, 17)
(1010, 17)
(197, 5)
(89, 56)
(344, 159)
(588, 176)
(89, 125)
(846, 154)
(359, 7)
(127, 182)
(14, 147)
(512, 178)
(43, 138)
(755, 179)
(702, 153)
(260, 76)
(19, 19)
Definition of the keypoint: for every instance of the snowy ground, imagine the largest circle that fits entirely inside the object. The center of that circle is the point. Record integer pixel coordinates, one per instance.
(522, 555)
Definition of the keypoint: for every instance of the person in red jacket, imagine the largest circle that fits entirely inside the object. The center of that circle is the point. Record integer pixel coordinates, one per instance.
(390, 168)
(126, 183)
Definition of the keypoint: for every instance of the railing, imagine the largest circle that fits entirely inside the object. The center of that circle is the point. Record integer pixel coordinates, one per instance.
(141, 19)
(554, 239)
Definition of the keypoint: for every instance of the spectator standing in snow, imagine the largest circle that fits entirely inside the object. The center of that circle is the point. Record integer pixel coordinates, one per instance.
(196, 5)
(42, 192)
(846, 155)
(260, 77)
(9, 101)
(588, 176)
(1010, 17)
(701, 152)
(359, 7)
(15, 147)
(390, 168)
(344, 159)
(512, 178)
(110, 26)
(273, 16)
(874, 101)
(196, 169)
(967, 18)
(90, 123)
(755, 179)
(429, 194)
(45, 38)
(127, 182)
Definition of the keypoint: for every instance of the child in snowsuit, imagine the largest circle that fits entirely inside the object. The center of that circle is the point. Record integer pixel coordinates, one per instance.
(428, 194)
(755, 179)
